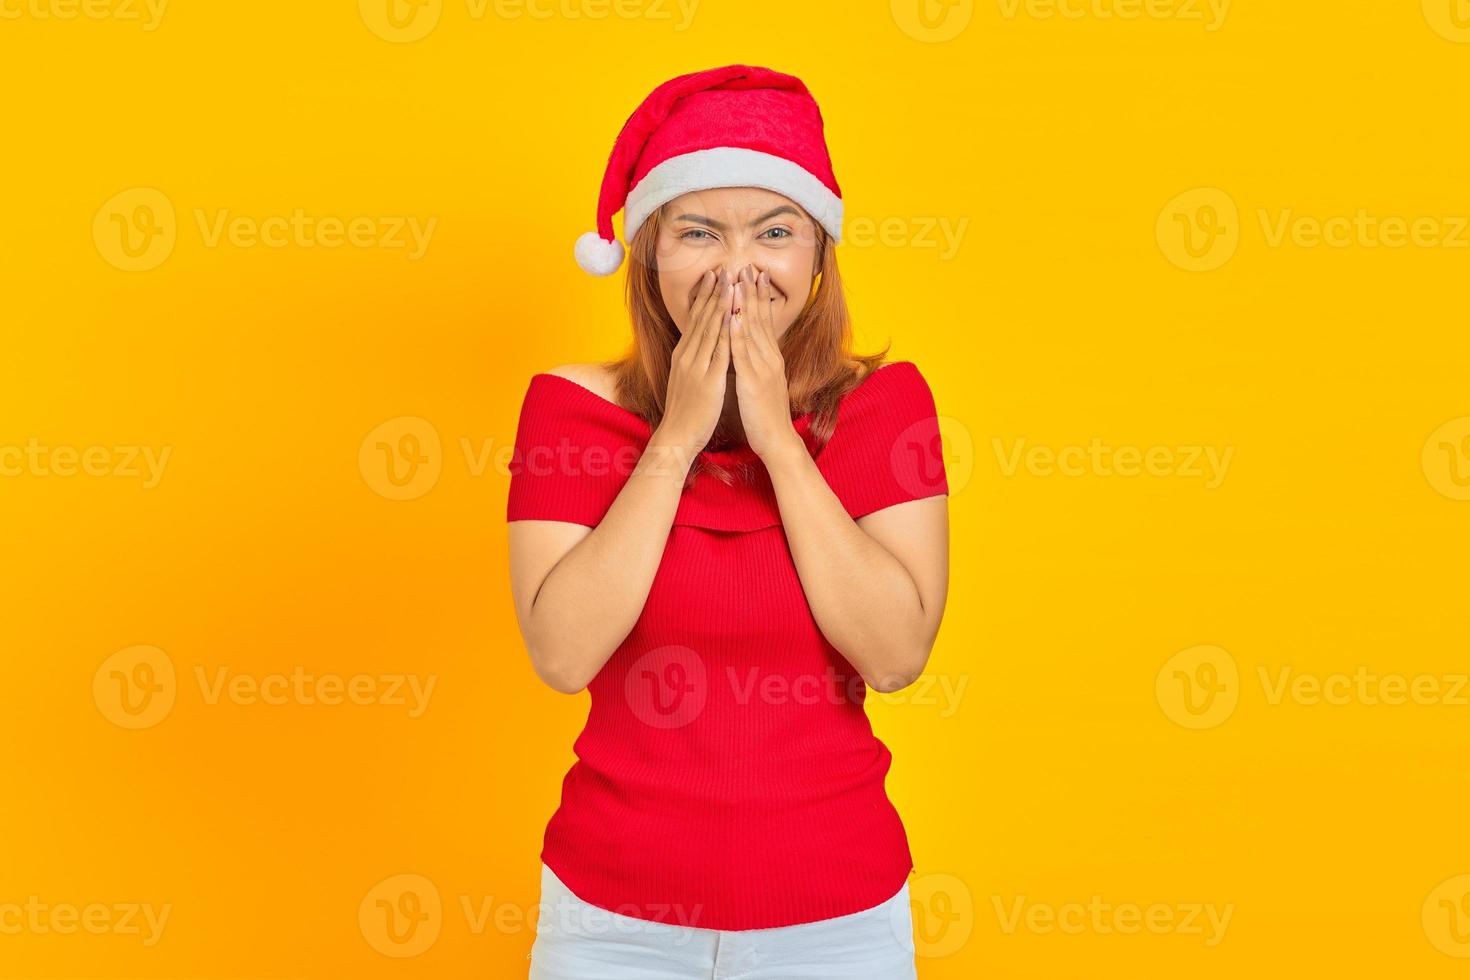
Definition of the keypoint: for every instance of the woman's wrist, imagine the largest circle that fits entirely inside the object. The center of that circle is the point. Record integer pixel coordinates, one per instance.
(668, 453)
(787, 451)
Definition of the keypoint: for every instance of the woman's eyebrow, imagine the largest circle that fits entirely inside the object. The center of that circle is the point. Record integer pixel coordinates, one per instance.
(701, 219)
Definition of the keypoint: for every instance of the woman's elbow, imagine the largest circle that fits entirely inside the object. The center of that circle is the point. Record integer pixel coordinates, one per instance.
(557, 678)
(899, 670)
(888, 683)
(556, 670)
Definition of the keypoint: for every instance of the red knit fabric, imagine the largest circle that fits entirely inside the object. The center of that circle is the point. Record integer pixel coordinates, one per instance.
(727, 768)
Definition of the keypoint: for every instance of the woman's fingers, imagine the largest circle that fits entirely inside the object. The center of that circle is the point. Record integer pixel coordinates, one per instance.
(763, 300)
(720, 363)
(753, 318)
(739, 334)
(689, 339)
(708, 324)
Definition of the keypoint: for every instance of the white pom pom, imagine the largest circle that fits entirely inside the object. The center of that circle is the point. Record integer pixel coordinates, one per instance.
(597, 256)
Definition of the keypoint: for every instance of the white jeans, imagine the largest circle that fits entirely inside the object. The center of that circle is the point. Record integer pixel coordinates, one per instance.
(578, 941)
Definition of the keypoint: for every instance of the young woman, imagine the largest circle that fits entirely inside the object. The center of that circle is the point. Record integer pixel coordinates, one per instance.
(727, 537)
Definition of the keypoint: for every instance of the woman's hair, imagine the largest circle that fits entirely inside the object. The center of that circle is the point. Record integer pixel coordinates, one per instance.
(820, 365)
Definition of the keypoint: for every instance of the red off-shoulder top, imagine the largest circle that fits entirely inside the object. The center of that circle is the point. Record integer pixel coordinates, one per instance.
(727, 768)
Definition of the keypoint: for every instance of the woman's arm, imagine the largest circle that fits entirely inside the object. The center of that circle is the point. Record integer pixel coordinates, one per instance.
(877, 585)
(579, 590)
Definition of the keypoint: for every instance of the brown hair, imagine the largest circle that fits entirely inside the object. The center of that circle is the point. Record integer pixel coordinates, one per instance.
(820, 364)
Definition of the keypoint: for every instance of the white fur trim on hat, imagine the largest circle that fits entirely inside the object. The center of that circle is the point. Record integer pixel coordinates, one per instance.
(728, 166)
(597, 256)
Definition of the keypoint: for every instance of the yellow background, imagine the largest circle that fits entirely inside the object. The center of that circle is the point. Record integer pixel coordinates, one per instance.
(1069, 761)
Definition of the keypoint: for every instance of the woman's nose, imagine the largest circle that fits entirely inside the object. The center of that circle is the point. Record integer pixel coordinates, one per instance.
(739, 260)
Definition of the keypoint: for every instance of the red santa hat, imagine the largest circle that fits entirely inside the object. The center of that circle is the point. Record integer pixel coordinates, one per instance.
(737, 126)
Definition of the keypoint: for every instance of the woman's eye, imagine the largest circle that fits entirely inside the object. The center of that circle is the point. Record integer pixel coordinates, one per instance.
(784, 232)
(696, 231)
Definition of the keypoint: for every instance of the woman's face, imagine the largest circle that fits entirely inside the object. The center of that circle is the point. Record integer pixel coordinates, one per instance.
(734, 227)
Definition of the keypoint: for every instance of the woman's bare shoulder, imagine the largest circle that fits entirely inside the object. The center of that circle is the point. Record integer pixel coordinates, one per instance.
(594, 377)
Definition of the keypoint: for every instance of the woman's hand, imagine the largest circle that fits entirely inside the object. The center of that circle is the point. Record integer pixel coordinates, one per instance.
(760, 370)
(697, 369)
